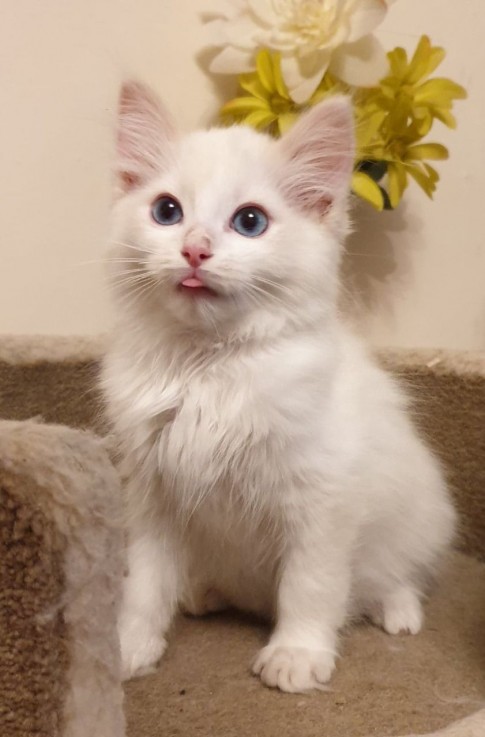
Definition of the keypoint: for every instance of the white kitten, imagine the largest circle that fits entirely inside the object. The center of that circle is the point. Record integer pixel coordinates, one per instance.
(269, 464)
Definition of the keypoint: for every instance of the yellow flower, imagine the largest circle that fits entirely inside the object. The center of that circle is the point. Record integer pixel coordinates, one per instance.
(267, 104)
(409, 103)
(408, 85)
(390, 120)
(312, 36)
(396, 144)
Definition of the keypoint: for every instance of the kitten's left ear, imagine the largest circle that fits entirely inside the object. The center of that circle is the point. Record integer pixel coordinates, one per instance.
(145, 132)
(319, 153)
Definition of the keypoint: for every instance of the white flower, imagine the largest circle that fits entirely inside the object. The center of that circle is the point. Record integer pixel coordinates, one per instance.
(311, 36)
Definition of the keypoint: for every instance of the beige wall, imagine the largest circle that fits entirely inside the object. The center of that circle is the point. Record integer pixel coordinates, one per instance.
(419, 271)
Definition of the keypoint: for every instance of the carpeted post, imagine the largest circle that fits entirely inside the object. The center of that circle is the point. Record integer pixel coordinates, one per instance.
(60, 575)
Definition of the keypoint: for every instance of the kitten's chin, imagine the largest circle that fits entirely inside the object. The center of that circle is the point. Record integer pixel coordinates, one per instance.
(200, 307)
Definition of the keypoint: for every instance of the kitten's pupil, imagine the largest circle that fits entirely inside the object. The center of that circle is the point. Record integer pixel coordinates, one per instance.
(250, 221)
(166, 210)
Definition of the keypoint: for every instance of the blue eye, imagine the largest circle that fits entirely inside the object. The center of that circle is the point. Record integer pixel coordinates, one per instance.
(250, 221)
(167, 211)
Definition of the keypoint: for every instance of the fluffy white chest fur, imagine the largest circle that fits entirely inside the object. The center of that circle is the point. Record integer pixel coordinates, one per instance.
(269, 464)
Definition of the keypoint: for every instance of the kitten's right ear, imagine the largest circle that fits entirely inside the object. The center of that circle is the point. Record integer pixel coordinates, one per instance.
(319, 154)
(144, 134)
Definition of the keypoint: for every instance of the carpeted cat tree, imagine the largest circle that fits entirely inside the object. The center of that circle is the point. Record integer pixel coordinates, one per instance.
(61, 565)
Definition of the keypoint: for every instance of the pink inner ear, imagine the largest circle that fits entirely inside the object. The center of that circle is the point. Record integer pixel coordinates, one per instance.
(129, 180)
(144, 134)
(319, 151)
(324, 205)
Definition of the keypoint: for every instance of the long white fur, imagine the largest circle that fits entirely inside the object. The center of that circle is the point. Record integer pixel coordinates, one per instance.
(269, 463)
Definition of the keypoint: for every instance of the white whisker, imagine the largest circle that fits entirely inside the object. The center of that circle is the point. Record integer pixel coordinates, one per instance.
(145, 250)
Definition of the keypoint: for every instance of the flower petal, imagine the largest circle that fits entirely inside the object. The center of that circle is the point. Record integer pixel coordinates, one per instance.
(250, 83)
(239, 31)
(365, 188)
(426, 179)
(285, 121)
(439, 91)
(367, 15)
(278, 77)
(366, 131)
(398, 60)
(432, 173)
(423, 120)
(396, 183)
(432, 151)
(232, 61)
(418, 64)
(242, 34)
(361, 64)
(445, 116)
(241, 106)
(264, 11)
(436, 56)
(259, 119)
(264, 68)
(302, 76)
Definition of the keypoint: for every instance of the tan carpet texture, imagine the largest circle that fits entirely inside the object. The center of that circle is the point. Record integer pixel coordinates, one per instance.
(61, 564)
(383, 685)
(32, 582)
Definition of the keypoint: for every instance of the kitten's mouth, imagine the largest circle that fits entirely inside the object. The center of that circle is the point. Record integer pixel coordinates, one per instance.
(195, 287)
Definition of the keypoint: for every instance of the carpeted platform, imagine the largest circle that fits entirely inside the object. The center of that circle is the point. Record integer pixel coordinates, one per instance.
(383, 685)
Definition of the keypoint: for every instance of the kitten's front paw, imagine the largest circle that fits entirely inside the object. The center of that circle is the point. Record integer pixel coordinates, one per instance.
(294, 669)
(141, 646)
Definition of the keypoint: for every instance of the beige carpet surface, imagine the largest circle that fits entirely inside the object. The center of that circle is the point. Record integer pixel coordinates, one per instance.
(383, 685)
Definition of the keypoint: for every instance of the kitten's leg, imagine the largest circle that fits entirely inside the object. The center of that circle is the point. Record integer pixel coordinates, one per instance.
(311, 607)
(397, 610)
(201, 600)
(150, 592)
(402, 612)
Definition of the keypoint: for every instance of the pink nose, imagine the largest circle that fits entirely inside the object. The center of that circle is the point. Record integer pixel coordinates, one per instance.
(196, 253)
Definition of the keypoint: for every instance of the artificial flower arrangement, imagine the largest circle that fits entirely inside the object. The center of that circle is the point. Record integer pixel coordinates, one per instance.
(290, 54)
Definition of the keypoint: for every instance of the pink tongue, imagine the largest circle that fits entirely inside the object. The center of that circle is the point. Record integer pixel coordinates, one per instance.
(192, 282)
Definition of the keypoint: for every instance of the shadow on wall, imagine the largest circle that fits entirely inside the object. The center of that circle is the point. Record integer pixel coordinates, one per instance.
(224, 86)
(377, 262)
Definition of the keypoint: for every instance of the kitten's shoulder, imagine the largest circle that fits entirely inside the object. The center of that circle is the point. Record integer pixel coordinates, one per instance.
(363, 368)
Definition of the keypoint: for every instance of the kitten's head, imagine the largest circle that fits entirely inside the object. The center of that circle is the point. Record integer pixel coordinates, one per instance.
(229, 230)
